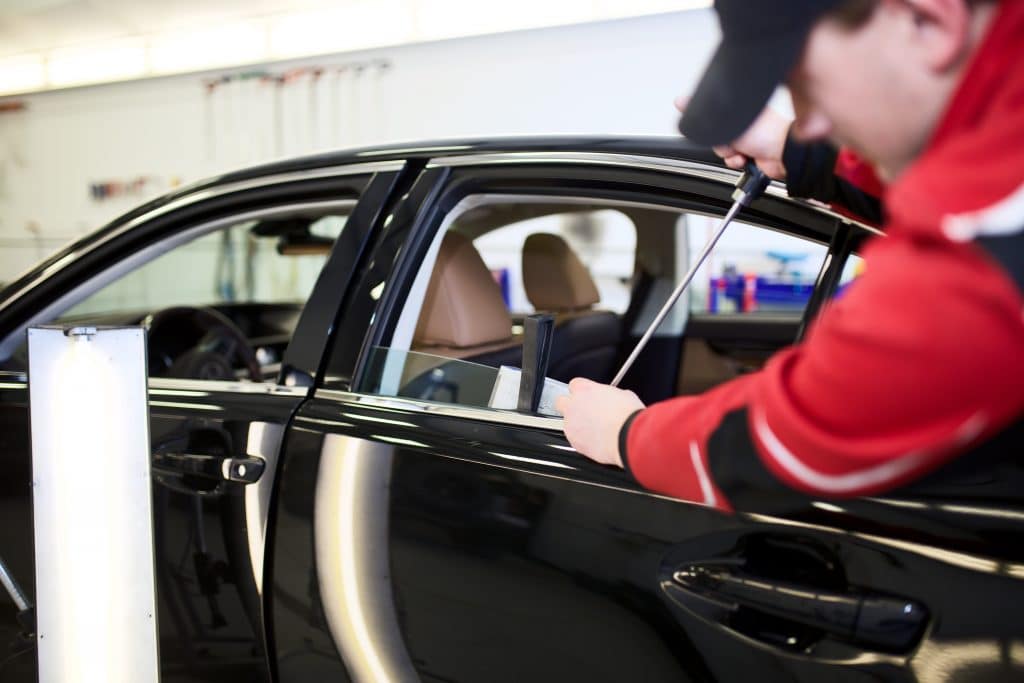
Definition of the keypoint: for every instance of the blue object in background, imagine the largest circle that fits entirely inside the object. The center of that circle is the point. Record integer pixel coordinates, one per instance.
(500, 276)
(771, 293)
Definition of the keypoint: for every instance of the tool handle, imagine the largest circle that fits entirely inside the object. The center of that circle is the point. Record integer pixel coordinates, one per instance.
(751, 184)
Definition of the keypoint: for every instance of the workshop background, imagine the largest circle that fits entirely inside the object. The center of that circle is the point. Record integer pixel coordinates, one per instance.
(105, 104)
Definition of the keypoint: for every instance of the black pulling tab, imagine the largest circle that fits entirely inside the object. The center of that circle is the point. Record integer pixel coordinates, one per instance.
(538, 331)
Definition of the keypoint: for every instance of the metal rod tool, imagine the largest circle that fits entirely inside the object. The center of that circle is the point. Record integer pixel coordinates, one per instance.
(750, 186)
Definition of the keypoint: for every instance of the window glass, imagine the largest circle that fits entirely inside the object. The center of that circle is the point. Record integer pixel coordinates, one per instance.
(426, 377)
(852, 269)
(604, 240)
(251, 262)
(463, 317)
(222, 305)
(594, 243)
(752, 269)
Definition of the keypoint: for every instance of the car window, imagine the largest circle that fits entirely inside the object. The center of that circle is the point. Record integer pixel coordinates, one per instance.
(461, 323)
(221, 304)
(597, 243)
(852, 269)
(752, 269)
(249, 262)
(494, 262)
(604, 240)
(427, 377)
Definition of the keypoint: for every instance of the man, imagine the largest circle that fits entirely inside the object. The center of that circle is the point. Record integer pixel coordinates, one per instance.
(922, 360)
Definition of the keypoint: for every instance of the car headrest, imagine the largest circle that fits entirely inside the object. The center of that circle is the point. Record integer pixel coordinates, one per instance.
(554, 277)
(463, 306)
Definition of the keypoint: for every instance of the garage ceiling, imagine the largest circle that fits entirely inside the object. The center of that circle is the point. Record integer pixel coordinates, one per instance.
(39, 25)
(49, 44)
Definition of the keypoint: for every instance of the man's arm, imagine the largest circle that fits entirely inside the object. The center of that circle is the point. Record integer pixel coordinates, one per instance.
(814, 170)
(917, 362)
(820, 171)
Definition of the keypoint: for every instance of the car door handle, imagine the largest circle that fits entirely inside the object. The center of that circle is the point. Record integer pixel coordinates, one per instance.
(875, 622)
(217, 467)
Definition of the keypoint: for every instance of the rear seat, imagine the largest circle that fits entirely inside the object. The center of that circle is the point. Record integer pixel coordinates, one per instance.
(464, 315)
(586, 340)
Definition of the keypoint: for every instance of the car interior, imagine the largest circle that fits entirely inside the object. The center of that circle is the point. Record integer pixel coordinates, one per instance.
(465, 315)
(599, 269)
(222, 305)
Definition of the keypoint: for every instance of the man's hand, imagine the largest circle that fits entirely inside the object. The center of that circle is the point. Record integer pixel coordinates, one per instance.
(594, 415)
(763, 142)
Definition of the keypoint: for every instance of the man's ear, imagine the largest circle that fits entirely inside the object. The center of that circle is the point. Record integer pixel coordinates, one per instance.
(944, 28)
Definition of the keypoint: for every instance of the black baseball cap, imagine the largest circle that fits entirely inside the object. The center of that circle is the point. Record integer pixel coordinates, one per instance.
(761, 43)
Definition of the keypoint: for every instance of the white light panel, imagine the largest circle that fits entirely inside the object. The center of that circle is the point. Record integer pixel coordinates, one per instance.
(96, 607)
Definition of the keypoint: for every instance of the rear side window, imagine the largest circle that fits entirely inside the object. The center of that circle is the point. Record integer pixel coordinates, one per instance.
(604, 240)
(752, 270)
(495, 261)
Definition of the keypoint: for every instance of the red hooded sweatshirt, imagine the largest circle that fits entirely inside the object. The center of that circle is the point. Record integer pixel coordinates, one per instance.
(920, 361)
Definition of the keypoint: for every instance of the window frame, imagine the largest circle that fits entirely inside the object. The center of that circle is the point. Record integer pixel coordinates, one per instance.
(142, 235)
(429, 205)
(152, 252)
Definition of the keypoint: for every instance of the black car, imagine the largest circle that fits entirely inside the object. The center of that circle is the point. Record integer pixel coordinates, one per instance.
(338, 323)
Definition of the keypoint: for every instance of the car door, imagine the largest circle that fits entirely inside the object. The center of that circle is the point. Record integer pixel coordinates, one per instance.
(449, 541)
(215, 441)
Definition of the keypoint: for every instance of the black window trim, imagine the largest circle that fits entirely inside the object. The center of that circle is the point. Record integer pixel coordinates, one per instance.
(451, 183)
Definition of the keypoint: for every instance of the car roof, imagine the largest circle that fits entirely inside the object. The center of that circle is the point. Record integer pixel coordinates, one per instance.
(670, 148)
(665, 147)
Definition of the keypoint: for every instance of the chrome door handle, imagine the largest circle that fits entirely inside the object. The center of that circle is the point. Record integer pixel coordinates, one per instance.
(218, 467)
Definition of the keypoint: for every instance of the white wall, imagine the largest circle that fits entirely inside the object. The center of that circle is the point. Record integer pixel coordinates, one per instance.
(615, 77)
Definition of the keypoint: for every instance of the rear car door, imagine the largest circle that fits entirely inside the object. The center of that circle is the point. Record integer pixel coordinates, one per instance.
(442, 539)
(260, 262)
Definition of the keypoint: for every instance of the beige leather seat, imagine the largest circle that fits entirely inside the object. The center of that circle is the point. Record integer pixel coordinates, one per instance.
(464, 315)
(586, 340)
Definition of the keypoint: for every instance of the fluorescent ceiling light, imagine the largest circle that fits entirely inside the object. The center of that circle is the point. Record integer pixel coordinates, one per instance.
(121, 60)
(374, 23)
(243, 43)
(440, 19)
(356, 26)
(22, 74)
(616, 8)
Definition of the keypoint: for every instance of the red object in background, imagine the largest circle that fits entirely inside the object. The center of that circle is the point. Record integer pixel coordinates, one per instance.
(12, 106)
(749, 293)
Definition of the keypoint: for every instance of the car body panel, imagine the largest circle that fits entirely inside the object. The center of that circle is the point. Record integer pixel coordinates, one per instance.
(391, 538)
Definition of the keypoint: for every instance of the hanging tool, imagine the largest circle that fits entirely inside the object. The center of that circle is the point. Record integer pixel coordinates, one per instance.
(751, 184)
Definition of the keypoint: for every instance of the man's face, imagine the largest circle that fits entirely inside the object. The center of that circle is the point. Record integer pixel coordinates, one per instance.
(873, 88)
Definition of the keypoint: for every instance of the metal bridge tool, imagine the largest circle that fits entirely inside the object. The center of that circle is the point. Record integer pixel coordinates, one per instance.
(750, 186)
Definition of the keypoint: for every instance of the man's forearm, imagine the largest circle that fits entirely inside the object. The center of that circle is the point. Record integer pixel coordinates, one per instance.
(811, 174)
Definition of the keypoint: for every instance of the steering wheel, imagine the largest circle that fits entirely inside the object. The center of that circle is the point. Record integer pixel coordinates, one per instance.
(198, 343)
